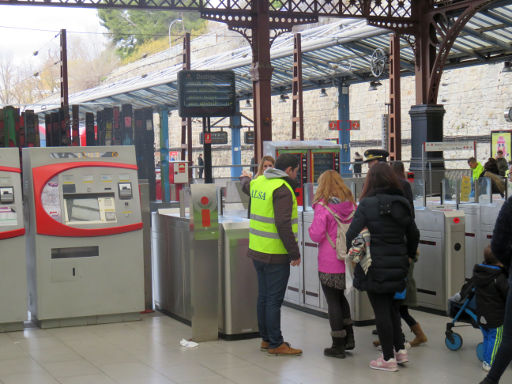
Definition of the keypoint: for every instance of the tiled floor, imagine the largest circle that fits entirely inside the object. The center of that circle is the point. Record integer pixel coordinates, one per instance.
(148, 351)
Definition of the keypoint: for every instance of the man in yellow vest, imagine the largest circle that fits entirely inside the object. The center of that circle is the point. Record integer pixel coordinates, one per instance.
(477, 170)
(273, 246)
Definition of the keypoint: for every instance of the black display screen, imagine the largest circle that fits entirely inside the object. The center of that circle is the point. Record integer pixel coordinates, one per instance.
(206, 93)
(322, 162)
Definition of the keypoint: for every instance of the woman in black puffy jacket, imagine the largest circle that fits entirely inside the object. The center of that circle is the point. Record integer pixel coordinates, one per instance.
(388, 215)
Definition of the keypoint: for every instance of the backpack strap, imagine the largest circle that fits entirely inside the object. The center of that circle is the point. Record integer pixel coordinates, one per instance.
(336, 218)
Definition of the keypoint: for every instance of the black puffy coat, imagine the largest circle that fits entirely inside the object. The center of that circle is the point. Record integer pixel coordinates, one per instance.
(491, 294)
(394, 239)
(501, 243)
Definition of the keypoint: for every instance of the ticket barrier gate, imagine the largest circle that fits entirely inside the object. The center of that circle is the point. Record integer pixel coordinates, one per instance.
(440, 269)
(178, 243)
(84, 244)
(13, 275)
(488, 215)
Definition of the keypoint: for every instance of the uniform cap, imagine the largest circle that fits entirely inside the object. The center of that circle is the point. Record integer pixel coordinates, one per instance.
(375, 154)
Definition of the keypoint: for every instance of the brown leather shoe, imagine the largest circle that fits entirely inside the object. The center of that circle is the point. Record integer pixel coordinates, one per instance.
(285, 349)
(264, 346)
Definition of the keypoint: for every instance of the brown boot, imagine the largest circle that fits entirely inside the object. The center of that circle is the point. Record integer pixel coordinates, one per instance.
(376, 343)
(285, 349)
(264, 346)
(420, 336)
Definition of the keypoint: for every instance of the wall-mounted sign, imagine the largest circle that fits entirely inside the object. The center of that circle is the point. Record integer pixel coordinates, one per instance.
(439, 146)
(217, 137)
(501, 140)
(249, 137)
(206, 93)
(352, 125)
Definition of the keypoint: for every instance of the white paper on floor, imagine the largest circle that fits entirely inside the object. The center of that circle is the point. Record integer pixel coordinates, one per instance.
(188, 344)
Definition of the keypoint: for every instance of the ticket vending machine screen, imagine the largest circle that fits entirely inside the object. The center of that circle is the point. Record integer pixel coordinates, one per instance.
(89, 209)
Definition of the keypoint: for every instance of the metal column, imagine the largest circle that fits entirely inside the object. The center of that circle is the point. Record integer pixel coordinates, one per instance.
(164, 154)
(344, 133)
(297, 95)
(261, 71)
(186, 123)
(394, 126)
(236, 153)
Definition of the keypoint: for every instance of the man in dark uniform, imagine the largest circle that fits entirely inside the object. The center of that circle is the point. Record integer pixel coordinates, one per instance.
(373, 156)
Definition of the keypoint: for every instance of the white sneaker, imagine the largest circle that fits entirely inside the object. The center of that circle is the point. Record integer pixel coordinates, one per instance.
(486, 367)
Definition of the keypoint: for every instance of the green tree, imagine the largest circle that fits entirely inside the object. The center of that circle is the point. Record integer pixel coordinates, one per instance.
(131, 28)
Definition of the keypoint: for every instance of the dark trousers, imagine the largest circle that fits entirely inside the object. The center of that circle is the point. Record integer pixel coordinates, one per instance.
(272, 282)
(389, 326)
(404, 314)
(338, 308)
(504, 355)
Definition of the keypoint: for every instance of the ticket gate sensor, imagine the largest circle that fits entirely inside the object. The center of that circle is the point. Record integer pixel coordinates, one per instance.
(84, 240)
(13, 275)
(440, 269)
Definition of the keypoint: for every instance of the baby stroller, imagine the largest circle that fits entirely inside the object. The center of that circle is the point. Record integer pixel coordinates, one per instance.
(462, 308)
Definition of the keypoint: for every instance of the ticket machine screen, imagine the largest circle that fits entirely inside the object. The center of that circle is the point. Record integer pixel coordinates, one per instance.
(83, 209)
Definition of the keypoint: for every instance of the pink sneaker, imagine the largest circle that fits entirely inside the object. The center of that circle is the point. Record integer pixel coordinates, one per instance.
(401, 356)
(384, 365)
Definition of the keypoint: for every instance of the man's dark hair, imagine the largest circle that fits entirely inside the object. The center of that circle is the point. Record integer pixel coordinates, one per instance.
(489, 257)
(471, 160)
(286, 160)
(500, 152)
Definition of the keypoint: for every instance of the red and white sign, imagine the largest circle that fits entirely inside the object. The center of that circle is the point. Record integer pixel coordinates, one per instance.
(207, 138)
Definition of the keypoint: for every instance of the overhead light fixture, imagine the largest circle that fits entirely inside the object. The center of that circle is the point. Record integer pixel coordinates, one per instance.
(374, 85)
(248, 103)
(283, 98)
(507, 66)
(323, 93)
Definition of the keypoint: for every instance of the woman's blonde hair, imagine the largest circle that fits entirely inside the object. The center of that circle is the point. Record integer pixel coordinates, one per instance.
(330, 184)
(260, 165)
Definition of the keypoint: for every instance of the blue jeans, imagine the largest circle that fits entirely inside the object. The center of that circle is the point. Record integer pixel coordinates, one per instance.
(504, 355)
(272, 282)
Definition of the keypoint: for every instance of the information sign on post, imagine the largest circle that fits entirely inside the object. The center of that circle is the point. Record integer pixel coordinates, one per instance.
(218, 137)
(206, 93)
(249, 137)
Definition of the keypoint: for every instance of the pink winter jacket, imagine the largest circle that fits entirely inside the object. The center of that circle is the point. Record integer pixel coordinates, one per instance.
(324, 222)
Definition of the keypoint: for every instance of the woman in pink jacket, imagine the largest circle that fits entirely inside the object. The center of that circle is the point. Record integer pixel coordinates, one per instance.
(333, 192)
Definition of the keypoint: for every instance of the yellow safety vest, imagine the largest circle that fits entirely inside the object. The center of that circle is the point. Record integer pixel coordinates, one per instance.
(263, 235)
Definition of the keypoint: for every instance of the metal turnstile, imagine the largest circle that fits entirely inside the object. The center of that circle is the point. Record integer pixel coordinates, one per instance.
(13, 275)
(440, 270)
(175, 247)
(488, 215)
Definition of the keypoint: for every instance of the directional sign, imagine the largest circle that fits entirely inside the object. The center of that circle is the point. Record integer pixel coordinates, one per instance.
(249, 137)
(336, 125)
(218, 137)
(439, 146)
(206, 93)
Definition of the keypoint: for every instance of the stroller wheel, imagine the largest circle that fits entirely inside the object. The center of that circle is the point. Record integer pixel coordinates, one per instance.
(480, 351)
(453, 341)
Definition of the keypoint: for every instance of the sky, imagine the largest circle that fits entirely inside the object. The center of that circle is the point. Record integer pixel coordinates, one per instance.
(25, 29)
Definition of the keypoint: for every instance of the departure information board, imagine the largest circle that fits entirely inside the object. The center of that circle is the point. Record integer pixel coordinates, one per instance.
(206, 93)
